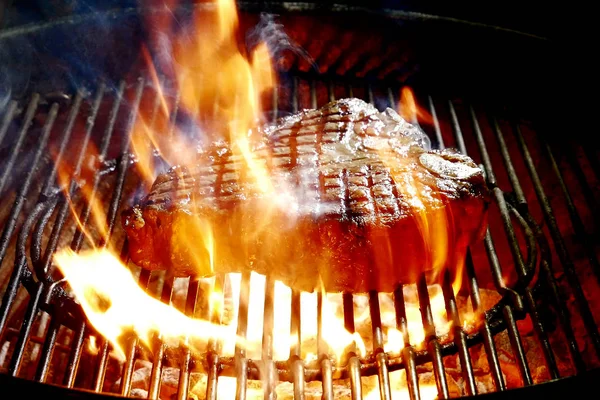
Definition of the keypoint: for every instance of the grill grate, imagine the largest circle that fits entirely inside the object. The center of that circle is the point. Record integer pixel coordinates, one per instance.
(41, 208)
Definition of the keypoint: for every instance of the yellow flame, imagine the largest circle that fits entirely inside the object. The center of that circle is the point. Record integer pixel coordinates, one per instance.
(116, 305)
(395, 341)
(92, 345)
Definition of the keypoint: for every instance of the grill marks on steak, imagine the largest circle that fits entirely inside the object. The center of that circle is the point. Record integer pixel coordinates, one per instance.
(355, 196)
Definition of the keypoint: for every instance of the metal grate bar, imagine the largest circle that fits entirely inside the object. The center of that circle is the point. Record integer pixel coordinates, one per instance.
(214, 344)
(348, 305)
(408, 352)
(378, 350)
(74, 356)
(460, 337)
(159, 353)
(42, 266)
(330, 91)
(484, 329)
(517, 346)
(584, 186)
(65, 136)
(186, 360)
(20, 261)
(573, 214)
(42, 269)
(60, 220)
(559, 244)
(522, 202)
(559, 306)
(268, 374)
(18, 204)
(296, 363)
(499, 197)
(322, 352)
(241, 363)
(108, 132)
(8, 118)
(29, 114)
(101, 363)
(132, 346)
(433, 344)
(47, 350)
(513, 332)
(436, 124)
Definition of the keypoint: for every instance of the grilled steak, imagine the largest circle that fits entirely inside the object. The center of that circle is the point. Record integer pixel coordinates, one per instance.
(357, 201)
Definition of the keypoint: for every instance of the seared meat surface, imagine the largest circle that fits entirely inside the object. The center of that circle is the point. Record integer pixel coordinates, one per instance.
(343, 195)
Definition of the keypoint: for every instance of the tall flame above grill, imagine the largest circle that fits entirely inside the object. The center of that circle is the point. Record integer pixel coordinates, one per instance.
(220, 88)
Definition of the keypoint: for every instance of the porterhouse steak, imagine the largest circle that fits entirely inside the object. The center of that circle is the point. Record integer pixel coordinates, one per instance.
(343, 196)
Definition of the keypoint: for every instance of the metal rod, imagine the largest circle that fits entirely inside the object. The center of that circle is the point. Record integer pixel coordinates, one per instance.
(294, 94)
(64, 207)
(433, 344)
(559, 305)
(330, 91)
(108, 132)
(559, 244)
(122, 168)
(584, 186)
(296, 364)
(159, 354)
(47, 350)
(323, 353)
(74, 356)
(8, 117)
(408, 353)
(484, 329)
(131, 351)
(370, 97)
(354, 372)
(30, 314)
(241, 363)
(530, 302)
(64, 141)
(517, 345)
(214, 344)
(576, 221)
(101, 363)
(499, 197)
(184, 366)
(268, 366)
(460, 140)
(460, 337)
(436, 124)
(16, 147)
(508, 164)
(391, 100)
(20, 260)
(11, 222)
(385, 390)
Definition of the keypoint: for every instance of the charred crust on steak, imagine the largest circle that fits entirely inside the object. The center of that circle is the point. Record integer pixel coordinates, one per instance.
(351, 184)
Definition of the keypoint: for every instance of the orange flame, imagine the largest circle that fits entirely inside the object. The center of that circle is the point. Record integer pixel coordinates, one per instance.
(409, 109)
(220, 88)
